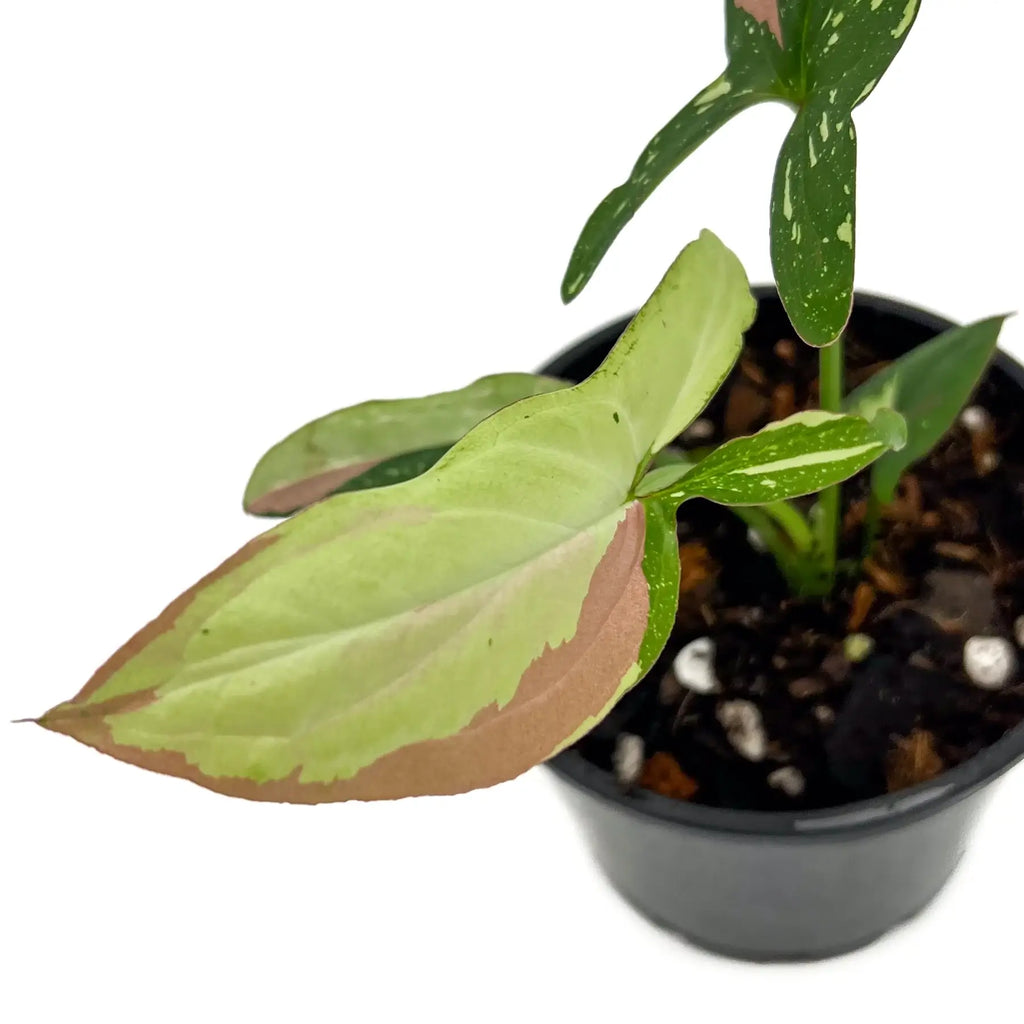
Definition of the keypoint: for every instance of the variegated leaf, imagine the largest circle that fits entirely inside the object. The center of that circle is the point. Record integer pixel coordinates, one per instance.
(802, 454)
(451, 631)
(756, 65)
(328, 453)
(824, 57)
(845, 46)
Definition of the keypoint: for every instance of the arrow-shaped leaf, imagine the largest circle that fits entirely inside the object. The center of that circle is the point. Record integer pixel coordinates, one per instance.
(831, 57)
(331, 452)
(928, 386)
(450, 631)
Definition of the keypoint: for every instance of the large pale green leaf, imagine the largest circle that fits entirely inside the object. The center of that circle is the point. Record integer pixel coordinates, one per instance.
(450, 631)
(928, 386)
(326, 454)
(802, 454)
(832, 55)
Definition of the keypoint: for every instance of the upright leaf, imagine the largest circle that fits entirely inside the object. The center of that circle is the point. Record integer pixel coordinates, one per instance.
(813, 221)
(450, 631)
(928, 387)
(326, 454)
(844, 48)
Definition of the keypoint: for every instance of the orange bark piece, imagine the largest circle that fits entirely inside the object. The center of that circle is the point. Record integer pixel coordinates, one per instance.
(913, 760)
(696, 567)
(884, 579)
(863, 599)
(783, 401)
(663, 775)
(745, 409)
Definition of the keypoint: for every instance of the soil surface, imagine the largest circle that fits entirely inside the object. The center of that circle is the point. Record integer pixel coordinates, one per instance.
(949, 566)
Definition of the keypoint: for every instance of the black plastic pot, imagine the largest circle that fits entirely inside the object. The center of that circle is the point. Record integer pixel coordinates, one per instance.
(786, 886)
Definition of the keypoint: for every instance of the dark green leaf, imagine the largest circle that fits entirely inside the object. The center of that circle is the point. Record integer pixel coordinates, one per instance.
(928, 387)
(844, 48)
(812, 221)
(754, 74)
(395, 471)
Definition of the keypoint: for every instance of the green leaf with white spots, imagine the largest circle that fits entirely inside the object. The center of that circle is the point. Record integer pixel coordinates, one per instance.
(752, 76)
(326, 454)
(802, 454)
(824, 57)
(812, 218)
(844, 47)
(928, 386)
(450, 631)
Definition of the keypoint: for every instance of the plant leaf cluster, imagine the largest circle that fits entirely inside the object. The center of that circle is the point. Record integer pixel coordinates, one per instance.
(452, 630)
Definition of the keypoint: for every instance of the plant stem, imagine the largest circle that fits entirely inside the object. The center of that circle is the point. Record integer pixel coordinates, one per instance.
(872, 523)
(831, 398)
(792, 521)
(788, 537)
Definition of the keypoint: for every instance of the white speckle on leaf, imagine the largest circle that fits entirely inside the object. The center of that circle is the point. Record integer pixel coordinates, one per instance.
(866, 91)
(989, 661)
(875, 4)
(713, 92)
(742, 722)
(833, 39)
(574, 284)
(628, 758)
(832, 94)
(846, 189)
(838, 20)
(823, 127)
(787, 195)
(694, 666)
(908, 17)
(651, 157)
(810, 150)
(789, 779)
(621, 207)
(845, 231)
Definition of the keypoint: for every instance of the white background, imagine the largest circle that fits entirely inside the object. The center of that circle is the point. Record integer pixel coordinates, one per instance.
(220, 219)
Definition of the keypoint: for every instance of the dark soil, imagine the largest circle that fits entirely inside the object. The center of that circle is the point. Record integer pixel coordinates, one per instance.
(949, 565)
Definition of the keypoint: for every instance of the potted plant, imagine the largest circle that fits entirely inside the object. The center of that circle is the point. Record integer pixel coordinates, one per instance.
(469, 583)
